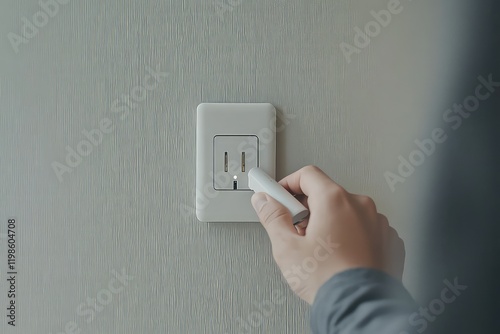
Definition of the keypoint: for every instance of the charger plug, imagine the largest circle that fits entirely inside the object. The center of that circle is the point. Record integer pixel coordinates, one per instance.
(259, 181)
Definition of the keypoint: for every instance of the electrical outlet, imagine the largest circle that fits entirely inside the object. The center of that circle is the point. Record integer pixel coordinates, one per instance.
(231, 139)
(234, 160)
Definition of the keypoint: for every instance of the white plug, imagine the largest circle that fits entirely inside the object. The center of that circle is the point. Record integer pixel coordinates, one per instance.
(259, 181)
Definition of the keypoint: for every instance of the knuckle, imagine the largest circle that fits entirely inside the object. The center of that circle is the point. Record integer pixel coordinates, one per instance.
(403, 249)
(278, 215)
(368, 203)
(401, 242)
(311, 168)
(274, 215)
(385, 224)
(383, 220)
(398, 246)
(393, 232)
(336, 194)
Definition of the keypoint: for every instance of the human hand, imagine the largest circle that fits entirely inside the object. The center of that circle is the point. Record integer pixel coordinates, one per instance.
(343, 231)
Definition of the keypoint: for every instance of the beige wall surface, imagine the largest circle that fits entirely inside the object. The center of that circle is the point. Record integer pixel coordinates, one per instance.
(112, 245)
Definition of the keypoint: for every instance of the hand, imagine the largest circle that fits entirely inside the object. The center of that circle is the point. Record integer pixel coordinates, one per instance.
(343, 231)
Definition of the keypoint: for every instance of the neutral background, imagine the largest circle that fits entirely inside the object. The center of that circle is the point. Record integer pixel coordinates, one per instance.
(130, 203)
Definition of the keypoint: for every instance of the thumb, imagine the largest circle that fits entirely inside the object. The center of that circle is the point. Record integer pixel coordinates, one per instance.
(275, 218)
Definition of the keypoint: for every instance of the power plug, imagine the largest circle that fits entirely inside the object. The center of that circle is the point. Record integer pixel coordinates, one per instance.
(232, 139)
(259, 181)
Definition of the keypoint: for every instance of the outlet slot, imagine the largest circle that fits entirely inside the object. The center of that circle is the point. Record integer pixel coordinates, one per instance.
(233, 157)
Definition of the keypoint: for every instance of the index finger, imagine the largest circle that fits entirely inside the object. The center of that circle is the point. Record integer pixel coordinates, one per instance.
(307, 180)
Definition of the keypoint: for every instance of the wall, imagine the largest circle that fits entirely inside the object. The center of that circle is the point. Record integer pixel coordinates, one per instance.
(127, 207)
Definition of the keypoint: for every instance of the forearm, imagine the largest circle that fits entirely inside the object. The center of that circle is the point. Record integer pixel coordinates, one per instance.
(361, 301)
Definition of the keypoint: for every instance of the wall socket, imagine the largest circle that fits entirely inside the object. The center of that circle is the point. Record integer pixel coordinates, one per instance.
(231, 139)
(234, 159)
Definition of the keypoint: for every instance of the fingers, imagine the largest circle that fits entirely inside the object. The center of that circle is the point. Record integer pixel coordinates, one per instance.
(394, 248)
(382, 219)
(397, 256)
(275, 218)
(367, 204)
(308, 181)
(302, 226)
(302, 199)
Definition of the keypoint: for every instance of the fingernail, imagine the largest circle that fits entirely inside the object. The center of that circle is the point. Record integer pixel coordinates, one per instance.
(258, 201)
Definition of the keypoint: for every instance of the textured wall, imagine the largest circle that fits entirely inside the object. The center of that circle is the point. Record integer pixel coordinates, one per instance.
(128, 205)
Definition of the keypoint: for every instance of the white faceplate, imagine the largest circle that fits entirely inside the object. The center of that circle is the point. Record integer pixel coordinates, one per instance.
(231, 138)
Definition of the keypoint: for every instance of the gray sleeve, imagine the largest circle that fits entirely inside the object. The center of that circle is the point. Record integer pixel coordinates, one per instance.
(362, 301)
